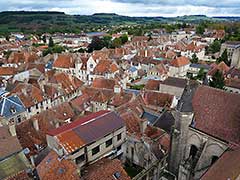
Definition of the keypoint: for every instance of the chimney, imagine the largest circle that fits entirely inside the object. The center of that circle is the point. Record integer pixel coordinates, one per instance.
(35, 124)
(12, 129)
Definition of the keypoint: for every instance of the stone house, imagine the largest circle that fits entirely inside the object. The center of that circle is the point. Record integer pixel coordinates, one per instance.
(90, 138)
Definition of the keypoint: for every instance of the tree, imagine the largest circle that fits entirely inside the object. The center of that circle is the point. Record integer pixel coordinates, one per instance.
(224, 58)
(7, 37)
(44, 38)
(201, 74)
(96, 44)
(194, 58)
(116, 43)
(50, 43)
(200, 29)
(214, 47)
(107, 41)
(217, 80)
(124, 38)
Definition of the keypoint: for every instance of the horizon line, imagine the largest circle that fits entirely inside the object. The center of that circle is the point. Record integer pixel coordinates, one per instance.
(217, 16)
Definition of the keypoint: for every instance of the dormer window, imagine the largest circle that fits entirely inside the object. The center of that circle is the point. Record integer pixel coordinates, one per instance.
(13, 110)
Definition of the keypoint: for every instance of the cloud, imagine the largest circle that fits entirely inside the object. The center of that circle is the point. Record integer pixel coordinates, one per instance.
(129, 7)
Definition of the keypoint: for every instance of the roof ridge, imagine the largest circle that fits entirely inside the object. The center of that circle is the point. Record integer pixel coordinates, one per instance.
(94, 119)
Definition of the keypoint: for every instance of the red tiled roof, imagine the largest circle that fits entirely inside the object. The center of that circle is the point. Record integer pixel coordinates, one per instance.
(180, 61)
(105, 169)
(227, 167)
(7, 71)
(76, 123)
(64, 61)
(222, 67)
(152, 85)
(8, 144)
(104, 83)
(51, 168)
(132, 122)
(217, 113)
(105, 66)
(70, 141)
(69, 83)
(157, 99)
(29, 94)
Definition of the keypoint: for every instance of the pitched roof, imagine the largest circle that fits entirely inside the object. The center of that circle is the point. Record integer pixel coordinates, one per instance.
(10, 106)
(222, 67)
(180, 61)
(173, 81)
(233, 72)
(157, 99)
(152, 85)
(227, 167)
(52, 168)
(64, 61)
(28, 93)
(165, 121)
(104, 83)
(105, 66)
(7, 71)
(8, 144)
(106, 169)
(87, 129)
(68, 83)
(217, 113)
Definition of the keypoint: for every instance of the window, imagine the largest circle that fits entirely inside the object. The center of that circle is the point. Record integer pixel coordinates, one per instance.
(119, 148)
(108, 142)
(119, 136)
(95, 150)
(80, 159)
(214, 159)
(193, 151)
(18, 119)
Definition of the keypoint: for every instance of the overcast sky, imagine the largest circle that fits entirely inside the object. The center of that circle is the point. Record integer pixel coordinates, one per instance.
(129, 7)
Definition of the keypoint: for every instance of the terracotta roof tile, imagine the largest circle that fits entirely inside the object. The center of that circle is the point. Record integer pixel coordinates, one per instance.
(216, 113)
(51, 168)
(157, 99)
(7, 71)
(180, 61)
(152, 85)
(227, 167)
(64, 61)
(104, 83)
(8, 144)
(105, 169)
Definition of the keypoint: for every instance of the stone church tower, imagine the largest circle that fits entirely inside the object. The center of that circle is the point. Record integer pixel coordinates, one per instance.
(183, 118)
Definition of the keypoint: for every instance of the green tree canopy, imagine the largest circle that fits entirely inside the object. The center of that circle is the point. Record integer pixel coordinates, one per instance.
(214, 47)
(194, 58)
(124, 38)
(44, 39)
(224, 58)
(116, 43)
(50, 43)
(217, 80)
(200, 29)
(96, 44)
